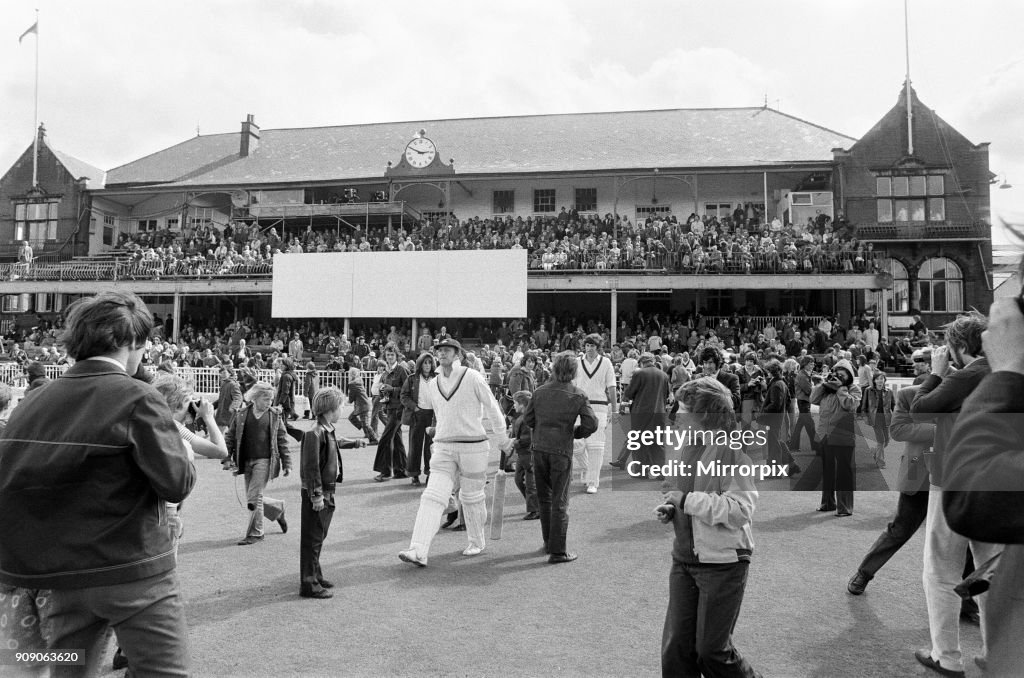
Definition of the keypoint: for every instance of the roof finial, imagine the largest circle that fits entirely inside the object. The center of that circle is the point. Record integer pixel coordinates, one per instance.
(765, 99)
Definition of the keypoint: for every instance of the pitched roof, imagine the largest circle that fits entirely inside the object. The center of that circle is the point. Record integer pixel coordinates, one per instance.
(677, 138)
(79, 168)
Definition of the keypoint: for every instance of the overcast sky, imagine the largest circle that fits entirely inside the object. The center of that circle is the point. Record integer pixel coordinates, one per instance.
(122, 79)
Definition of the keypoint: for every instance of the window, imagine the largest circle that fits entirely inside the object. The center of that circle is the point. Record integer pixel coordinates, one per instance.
(586, 199)
(644, 211)
(172, 224)
(544, 200)
(109, 228)
(918, 198)
(504, 202)
(897, 300)
(36, 221)
(801, 199)
(941, 285)
(719, 210)
(146, 225)
(49, 303)
(16, 303)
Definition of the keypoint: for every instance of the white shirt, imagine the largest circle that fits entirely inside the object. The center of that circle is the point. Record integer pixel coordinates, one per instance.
(422, 399)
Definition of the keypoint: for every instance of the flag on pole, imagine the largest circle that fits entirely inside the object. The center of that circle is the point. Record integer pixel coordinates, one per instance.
(34, 28)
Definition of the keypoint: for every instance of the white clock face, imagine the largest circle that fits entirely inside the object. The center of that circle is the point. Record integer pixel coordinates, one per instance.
(420, 152)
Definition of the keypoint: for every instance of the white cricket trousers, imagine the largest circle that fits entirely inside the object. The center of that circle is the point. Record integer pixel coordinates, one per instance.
(588, 453)
(944, 553)
(448, 461)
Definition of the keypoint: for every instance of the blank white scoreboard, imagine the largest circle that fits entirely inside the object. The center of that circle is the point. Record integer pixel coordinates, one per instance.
(456, 284)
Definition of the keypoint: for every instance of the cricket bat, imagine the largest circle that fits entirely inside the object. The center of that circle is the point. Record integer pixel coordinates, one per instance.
(498, 504)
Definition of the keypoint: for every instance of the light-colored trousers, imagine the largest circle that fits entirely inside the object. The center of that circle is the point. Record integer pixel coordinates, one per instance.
(466, 462)
(588, 453)
(257, 475)
(944, 553)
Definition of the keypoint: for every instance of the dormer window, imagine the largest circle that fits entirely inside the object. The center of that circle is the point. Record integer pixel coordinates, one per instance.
(916, 198)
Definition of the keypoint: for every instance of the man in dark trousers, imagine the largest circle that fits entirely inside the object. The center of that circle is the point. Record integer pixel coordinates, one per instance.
(391, 461)
(552, 415)
(912, 482)
(647, 391)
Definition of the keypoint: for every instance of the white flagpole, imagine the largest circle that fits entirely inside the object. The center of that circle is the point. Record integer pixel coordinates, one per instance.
(910, 116)
(35, 121)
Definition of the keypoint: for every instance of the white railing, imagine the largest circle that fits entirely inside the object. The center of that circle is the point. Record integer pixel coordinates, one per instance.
(204, 380)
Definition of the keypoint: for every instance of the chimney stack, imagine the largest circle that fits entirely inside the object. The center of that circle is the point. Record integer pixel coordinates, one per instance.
(250, 137)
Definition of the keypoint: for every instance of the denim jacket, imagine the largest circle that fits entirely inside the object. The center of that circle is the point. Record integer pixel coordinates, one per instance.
(552, 413)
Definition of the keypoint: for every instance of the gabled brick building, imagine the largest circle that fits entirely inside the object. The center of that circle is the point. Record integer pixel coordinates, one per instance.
(918, 189)
(55, 213)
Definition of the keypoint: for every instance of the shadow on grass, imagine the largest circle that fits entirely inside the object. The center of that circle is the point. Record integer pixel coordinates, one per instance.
(189, 547)
(643, 530)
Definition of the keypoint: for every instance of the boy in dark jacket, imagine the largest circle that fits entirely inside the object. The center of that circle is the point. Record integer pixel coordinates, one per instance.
(522, 435)
(321, 471)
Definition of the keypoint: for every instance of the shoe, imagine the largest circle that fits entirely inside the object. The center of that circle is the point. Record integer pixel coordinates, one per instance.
(452, 517)
(794, 468)
(120, 660)
(416, 481)
(858, 582)
(459, 528)
(322, 594)
(400, 476)
(591, 488)
(925, 657)
(981, 662)
(283, 523)
(327, 583)
(562, 558)
(532, 515)
(843, 514)
(618, 464)
(970, 617)
(473, 551)
(249, 540)
(409, 556)
(380, 478)
(825, 507)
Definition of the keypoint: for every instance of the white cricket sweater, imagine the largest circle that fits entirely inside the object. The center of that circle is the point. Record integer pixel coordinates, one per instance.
(461, 403)
(595, 379)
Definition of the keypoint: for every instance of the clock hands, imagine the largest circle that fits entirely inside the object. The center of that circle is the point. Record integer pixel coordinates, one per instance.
(419, 151)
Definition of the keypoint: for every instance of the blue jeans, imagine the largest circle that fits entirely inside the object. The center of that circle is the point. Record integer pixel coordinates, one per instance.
(703, 606)
(552, 473)
(148, 616)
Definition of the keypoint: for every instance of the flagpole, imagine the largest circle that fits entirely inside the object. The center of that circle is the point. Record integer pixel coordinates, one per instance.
(35, 121)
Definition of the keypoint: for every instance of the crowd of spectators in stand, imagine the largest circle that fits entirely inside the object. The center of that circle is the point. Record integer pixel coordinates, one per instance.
(738, 243)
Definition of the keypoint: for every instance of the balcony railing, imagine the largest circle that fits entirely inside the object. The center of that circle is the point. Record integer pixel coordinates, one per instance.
(923, 231)
(850, 263)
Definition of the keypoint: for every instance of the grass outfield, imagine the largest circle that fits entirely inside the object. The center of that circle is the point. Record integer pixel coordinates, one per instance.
(508, 613)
